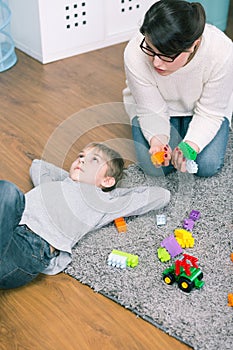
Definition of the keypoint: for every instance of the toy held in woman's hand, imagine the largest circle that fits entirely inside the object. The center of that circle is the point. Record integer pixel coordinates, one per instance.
(190, 154)
(158, 158)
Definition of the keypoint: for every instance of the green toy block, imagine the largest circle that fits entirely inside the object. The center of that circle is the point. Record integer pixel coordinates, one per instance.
(132, 260)
(188, 151)
(163, 254)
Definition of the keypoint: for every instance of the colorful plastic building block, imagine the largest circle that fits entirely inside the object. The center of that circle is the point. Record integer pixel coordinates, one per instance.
(132, 260)
(161, 219)
(184, 238)
(188, 224)
(163, 254)
(158, 158)
(186, 273)
(120, 225)
(194, 215)
(187, 150)
(232, 257)
(191, 166)
(172, 246)
(230, 299)
(117, 261)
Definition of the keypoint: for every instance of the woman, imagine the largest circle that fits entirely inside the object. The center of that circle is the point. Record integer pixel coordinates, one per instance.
(179, 74)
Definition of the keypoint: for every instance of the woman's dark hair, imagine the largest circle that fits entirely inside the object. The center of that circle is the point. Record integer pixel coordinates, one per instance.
(172, 26)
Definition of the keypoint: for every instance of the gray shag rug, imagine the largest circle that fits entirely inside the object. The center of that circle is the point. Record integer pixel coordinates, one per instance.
(201, 319)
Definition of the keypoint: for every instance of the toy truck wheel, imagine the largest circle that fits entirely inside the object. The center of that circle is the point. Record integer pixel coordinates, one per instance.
(185, 284)
(169, 278)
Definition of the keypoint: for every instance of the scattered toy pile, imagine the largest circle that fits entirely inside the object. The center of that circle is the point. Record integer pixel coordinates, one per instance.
(185, 270)
(182, 238)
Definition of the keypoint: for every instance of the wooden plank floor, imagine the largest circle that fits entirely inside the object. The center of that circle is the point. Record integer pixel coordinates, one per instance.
(57, 312)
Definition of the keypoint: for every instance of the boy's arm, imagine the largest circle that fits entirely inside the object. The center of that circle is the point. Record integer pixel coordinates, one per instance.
(41, 172)
(142, 199)
(135, 201)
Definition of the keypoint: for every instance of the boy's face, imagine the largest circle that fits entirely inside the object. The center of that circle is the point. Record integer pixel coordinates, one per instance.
(90, 167)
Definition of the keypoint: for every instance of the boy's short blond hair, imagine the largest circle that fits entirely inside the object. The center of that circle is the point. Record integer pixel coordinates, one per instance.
(113, 159)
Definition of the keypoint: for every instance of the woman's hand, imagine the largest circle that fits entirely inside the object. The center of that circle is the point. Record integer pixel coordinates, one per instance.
(159, 144)
(178, 160)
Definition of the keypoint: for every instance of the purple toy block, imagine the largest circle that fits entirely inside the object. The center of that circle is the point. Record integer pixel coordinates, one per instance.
(194, 215)
(188, 224)
(172, 246)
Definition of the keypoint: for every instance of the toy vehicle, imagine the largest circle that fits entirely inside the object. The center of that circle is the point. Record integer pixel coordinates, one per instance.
(186, 273)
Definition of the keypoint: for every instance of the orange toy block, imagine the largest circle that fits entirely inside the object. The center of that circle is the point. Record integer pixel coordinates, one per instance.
(232, 257)
(230, 299)
(120, 225)
(158, 158)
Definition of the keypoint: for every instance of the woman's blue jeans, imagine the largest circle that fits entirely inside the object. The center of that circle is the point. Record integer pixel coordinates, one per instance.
(210, 160)
(23, 254)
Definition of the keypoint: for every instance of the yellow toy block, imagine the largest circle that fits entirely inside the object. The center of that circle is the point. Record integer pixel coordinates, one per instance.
(184, 238)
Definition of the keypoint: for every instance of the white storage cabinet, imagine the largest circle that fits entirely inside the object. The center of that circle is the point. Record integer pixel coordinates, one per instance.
(49, 30)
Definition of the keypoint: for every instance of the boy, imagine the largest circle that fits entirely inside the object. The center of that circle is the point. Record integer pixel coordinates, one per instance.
(38, 230)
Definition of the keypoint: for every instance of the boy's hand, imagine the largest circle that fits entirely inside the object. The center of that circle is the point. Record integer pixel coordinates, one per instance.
(157, 145)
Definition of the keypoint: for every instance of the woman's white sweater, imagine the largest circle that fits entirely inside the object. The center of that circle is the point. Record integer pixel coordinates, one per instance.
(203, 89)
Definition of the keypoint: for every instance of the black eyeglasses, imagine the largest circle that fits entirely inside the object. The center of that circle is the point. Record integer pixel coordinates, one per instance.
(148, 51)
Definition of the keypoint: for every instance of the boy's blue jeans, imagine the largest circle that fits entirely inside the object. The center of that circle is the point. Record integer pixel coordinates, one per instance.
(210, 160)
(23, 254)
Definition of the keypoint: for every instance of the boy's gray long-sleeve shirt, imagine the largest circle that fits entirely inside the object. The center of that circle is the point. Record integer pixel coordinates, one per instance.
(62, 211)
